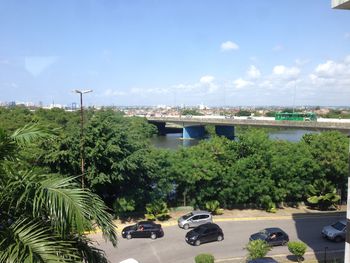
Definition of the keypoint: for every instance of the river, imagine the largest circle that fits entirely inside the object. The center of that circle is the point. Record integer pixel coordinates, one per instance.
(174, 141)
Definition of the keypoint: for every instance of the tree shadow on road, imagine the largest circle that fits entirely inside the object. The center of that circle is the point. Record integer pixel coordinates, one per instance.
(309, 226)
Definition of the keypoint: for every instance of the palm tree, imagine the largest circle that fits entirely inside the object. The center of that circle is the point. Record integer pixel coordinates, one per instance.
(44, 217)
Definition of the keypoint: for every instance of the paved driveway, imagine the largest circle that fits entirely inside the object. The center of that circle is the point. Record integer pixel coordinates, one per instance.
(173, 249)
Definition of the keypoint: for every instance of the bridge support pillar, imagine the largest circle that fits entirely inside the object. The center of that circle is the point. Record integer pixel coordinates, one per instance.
(193, 132)
(227, 131)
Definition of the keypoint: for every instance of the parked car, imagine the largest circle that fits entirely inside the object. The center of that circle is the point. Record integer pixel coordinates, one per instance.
(336, 231)
(143, 229)
(263, 260)
(204, 233)
(194, 219)
(274, 236)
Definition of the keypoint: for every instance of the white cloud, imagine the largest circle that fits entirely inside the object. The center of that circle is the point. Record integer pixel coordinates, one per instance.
(241, 83)
(253, 72)
(206, 79)
(229, 45)
(286, 72)
(332, 69)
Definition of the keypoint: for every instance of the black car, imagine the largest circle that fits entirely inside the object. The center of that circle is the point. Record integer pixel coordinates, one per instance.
(263, 260)
(143, 229)
(204, 233)
(274, 236)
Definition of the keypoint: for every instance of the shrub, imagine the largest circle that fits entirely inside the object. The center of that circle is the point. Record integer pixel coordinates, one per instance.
(122, 206)
(268, 204)
(298, 249)
(157, 210)
(204, 258)
(323, 194)
(257, 249)
(214, 207)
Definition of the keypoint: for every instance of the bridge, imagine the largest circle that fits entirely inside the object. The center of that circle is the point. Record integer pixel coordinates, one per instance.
(193, 126)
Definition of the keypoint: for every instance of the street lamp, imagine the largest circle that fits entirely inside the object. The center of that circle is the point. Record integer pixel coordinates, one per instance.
(81, 92)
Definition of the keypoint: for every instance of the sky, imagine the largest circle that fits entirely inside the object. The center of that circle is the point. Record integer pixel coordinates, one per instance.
(165, 52)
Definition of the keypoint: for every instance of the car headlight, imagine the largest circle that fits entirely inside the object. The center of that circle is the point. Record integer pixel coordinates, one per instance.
(193, 238)
(123, 232)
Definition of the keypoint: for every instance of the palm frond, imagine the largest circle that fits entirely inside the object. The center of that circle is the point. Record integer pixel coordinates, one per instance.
(30, 133)
(90, 253)
(69, 208)
(29, 241)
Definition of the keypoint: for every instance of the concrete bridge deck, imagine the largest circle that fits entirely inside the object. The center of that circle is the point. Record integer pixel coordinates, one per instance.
(320, 124)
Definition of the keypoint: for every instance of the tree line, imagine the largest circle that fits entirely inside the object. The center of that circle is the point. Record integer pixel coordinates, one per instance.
(128, 173)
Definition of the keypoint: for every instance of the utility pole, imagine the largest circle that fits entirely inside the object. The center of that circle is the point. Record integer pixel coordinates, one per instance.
(82, 149)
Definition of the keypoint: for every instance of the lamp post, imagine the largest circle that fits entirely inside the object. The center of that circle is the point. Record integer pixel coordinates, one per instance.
(81, 92)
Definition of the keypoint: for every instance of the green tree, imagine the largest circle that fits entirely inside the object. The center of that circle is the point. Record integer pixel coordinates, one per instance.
(298, 249)
(330, 151)
(204, 258)
(44, 216)
(257, 249)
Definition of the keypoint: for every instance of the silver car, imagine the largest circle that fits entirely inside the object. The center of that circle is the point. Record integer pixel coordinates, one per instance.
(194, 218)
(336, 231)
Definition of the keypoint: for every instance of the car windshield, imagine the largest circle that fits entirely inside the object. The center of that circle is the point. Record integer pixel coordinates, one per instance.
(187, 215)
(263, 232)
(338, 226)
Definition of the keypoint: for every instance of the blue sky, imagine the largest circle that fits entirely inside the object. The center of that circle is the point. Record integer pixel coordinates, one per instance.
(151, 52)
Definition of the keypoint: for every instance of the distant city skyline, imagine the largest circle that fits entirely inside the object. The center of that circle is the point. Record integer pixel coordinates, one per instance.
(233, 53)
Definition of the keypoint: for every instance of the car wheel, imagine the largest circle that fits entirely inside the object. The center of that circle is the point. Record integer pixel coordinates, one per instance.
(128, 236)
(186, 226)
(153, 236)
(284, 242)
(220, 237)
(338, 239)
(198, 242)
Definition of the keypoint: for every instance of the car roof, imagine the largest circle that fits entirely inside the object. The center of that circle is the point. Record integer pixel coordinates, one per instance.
(274, 229)
(129, 260)
(263, 260)
(146, 223)
(197, 212)
(208, 225)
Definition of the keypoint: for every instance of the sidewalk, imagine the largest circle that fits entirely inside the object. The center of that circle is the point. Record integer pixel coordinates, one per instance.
(309, 257)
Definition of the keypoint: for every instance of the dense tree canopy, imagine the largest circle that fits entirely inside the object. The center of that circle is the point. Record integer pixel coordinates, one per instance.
(124, 169)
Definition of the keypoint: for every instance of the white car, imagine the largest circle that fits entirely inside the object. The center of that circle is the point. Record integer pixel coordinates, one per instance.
(129, 260)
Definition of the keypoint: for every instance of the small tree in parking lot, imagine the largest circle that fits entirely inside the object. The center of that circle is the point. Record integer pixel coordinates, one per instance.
(298, 249)
(257, 249)
(204, 258)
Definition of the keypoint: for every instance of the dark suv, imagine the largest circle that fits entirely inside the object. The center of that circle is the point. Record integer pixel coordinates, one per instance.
(143, 229)
(204, 233)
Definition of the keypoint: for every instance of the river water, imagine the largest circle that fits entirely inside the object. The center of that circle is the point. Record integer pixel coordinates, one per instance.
(174, 141)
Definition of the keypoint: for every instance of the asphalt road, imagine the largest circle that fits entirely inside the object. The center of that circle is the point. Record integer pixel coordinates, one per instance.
(172, 248)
